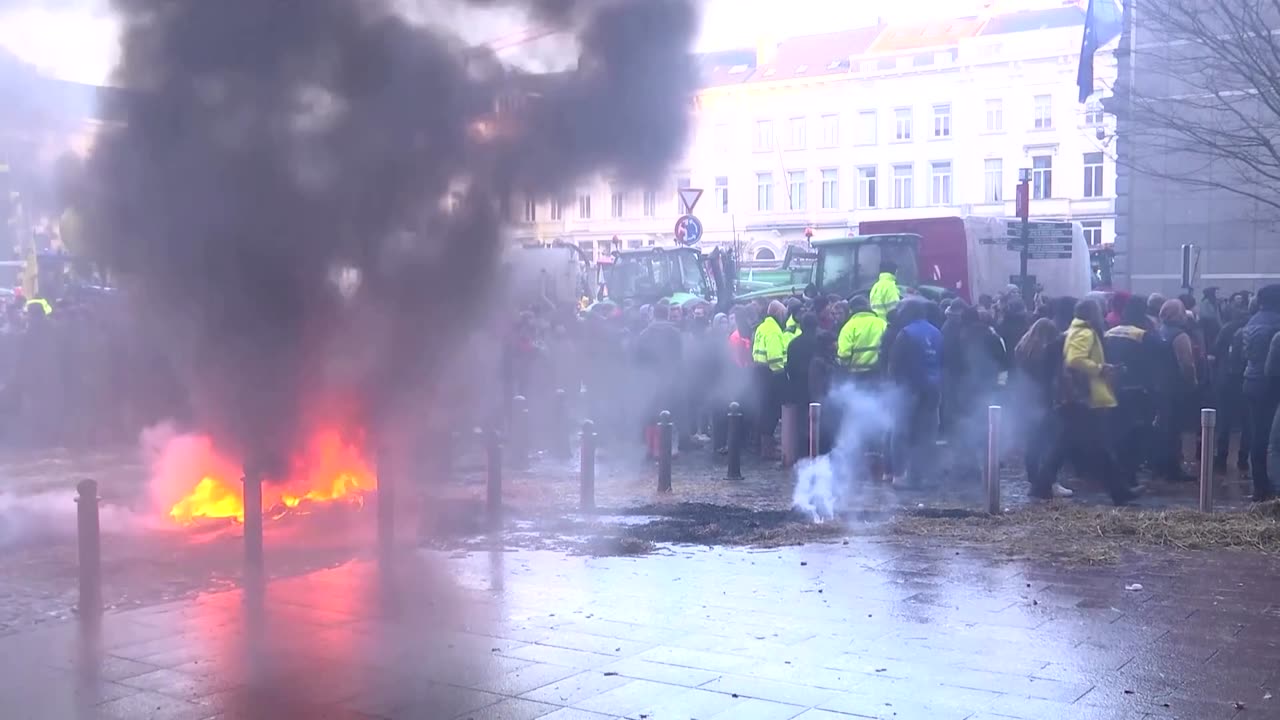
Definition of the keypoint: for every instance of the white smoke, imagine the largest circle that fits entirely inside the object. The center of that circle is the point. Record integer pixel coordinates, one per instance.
(835, 482)
(26, 518)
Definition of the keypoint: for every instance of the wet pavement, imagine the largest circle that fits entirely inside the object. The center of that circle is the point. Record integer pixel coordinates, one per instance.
(826, 632)
(147, 560)
(568, 621)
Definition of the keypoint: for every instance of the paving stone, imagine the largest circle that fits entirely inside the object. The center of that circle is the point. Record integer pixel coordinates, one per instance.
(902, 630)
(511, 709)
(577, 688)
(781, 692)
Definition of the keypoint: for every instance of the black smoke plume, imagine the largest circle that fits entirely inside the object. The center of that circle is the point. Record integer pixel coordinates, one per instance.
(270, 143)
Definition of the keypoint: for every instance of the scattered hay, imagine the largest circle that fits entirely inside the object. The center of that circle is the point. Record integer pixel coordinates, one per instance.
(1098, 535)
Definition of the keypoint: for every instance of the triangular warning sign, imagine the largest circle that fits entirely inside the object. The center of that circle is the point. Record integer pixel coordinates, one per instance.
(689, 197)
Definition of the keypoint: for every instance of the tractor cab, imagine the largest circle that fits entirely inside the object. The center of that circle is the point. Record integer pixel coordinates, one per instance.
(850, 265)
(651, 274)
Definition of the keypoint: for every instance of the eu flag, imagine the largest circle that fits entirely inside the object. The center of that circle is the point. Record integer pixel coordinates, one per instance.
(1088, 46)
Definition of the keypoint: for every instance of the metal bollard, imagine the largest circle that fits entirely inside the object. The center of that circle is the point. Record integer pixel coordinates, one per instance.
(90, 548)
(448, 447)
(1208, 443)
(993, 460)
(815, 428)
(386, 504)
(664, 451)
(493, 487)
(735, 438)
(519, 435)
(587, 468)
(252, 523)
(560, 426)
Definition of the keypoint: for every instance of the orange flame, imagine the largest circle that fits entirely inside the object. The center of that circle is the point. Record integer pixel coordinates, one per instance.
(329, 469)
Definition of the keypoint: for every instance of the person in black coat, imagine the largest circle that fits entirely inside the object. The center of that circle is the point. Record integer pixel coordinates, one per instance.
(800, 354)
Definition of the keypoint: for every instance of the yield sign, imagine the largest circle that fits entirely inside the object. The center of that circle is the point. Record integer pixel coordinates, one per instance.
(689, 197)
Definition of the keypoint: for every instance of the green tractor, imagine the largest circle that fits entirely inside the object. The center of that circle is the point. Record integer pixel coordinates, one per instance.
(849, 266)
(682, 275)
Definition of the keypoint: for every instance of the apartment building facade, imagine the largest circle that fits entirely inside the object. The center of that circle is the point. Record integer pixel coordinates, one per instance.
(823, 132)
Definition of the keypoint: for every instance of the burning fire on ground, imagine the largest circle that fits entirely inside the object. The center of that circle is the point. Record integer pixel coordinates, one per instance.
(331, 468)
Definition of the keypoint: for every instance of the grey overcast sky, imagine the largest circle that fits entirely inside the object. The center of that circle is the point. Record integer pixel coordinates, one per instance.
(77, 39)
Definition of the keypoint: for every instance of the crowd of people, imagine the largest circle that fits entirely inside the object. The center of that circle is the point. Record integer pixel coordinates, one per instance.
(69, 378)
(1111, 384)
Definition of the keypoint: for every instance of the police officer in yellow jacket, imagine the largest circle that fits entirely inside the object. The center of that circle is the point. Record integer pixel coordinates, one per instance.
(884, 294)
(769, 351)
(858, 347)
(769, 346)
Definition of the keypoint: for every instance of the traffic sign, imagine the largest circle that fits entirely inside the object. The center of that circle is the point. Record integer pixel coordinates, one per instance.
(689, 197)
(1049, 255)
(1042, 230)
(1040, 245)
(688, 230)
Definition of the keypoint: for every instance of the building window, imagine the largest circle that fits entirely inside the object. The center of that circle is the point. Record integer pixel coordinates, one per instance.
(796, 194)
(1044, 112)
(942, 120)
(1092, 232)
(995, 116)
(993, 175)
(650, 203)
(722, 194)
(764, 192)
(530, 211)
(830, 131)
(765, 253)
(1093, 112)
(764, 135)
(584, 206)
(1093, 174)
(797, 131)
(902, 186)
(1042, 177)
(616, 202)
(902, 124)
(557, 209)
(866, 134)
(940, 183)
(830, 189)
(722, 138)
(866, 187)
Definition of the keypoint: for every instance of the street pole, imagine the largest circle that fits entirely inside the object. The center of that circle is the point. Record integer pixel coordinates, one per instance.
(1024, 213)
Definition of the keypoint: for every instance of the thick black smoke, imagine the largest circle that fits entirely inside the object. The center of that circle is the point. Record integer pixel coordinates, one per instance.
(270, 143)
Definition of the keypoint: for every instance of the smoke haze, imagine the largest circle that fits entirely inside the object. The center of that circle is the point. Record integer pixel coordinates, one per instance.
(839, 481)
(270, 145)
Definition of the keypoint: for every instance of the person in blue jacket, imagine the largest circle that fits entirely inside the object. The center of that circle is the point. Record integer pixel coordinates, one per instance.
(915, 366)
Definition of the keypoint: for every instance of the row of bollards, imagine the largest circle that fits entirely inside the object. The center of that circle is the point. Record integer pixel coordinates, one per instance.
(89, 549)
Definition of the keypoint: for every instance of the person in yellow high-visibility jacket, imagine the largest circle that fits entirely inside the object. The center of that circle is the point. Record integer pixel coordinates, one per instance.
(884, 294)
(858, 346)
(769, 351)
(769, 344)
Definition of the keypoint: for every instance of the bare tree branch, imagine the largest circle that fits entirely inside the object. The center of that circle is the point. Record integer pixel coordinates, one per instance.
(1206, 109)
